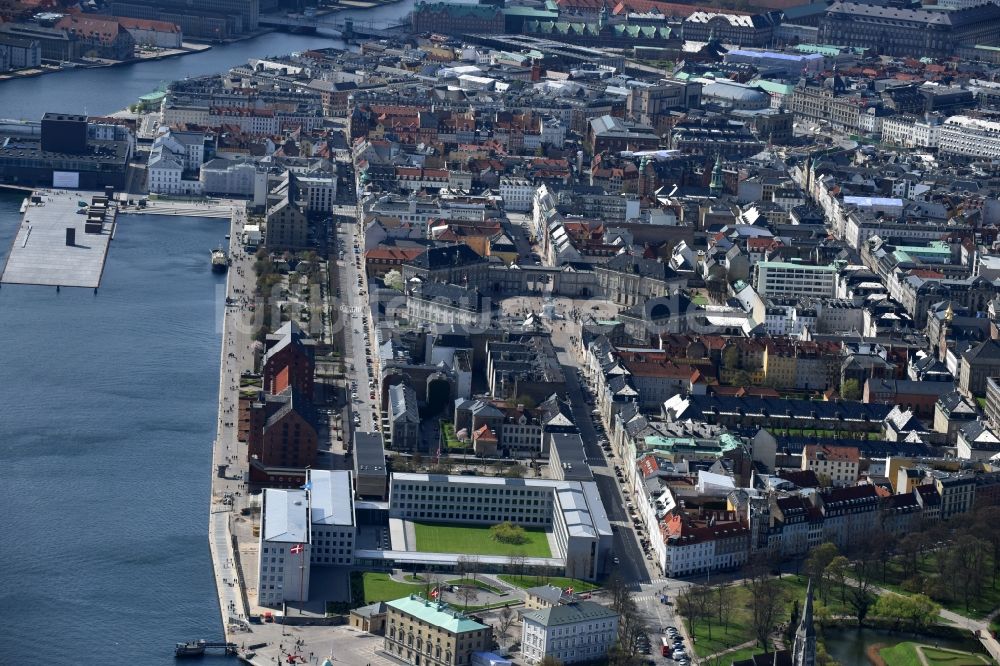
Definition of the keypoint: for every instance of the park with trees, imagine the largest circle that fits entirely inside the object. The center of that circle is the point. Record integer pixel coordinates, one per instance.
(898, 583)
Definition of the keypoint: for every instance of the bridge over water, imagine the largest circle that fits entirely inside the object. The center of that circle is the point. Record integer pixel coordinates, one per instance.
(331, 23)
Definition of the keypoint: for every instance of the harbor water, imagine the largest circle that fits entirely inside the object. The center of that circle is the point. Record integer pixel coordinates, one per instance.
(109, 408)
(103, 91)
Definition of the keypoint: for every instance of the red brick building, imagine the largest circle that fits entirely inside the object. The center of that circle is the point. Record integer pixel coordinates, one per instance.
(456, 19)
(99, 36)
(289, 361)
(282, 438)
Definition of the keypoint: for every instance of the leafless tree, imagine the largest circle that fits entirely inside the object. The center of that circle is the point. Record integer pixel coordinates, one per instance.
(462, 566)
(466, 593)
(861, 597)
(766, 605)
(724, 605)
(694, 604)
(967, 560)
(474, 566)
(517, 561)
(619, 592)
(505, 620)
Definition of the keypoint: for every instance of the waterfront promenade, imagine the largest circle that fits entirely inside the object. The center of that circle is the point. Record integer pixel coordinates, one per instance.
(227, 467)
(231, 533)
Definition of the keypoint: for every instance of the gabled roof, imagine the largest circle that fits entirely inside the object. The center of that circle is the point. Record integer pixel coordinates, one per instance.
(571, 613)
(443, 257)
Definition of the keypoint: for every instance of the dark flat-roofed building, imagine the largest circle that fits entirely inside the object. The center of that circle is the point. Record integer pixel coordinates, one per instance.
(370, 473)
(24, 162)
(611, 133)
(56, 44)
(568, 458)
(213, 19)
(455, 264)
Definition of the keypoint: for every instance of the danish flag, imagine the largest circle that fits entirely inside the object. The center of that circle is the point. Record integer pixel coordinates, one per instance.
(434, 593)
(297, 549)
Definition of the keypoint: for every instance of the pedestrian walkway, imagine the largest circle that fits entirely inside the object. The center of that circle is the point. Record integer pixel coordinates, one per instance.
(227, 577)
(707, 659)
(401, 534)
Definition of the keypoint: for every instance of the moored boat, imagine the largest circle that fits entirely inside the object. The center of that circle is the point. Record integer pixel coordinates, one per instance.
(220, 262)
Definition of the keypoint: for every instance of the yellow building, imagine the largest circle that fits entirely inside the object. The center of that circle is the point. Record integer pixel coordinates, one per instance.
(431, 633)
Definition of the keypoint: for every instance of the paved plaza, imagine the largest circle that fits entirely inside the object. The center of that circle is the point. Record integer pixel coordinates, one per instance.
(39, 254)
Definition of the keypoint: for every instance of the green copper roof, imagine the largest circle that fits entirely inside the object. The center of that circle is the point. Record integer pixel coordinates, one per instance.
(792, 264)
(822, 49)
(530, 11)
(728, 442)
(438, 614)
(774, 87)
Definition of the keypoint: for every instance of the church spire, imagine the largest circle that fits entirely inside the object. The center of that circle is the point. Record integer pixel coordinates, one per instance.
(804, 648)
(716, 184)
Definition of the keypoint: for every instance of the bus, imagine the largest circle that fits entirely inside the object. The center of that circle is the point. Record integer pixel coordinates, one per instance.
(665, 647)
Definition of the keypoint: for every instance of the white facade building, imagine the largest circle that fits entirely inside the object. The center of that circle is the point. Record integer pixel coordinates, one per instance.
(572, 509)
(689, 550)
(780, 278)
(961, 4)
(232, 178)
(571, 632)
(911, 132)
(174, 155)
(17, 53)
(180, 114)
(284, 552)
(250, 121)
(970, 137)
(517, 193)
(331, 503)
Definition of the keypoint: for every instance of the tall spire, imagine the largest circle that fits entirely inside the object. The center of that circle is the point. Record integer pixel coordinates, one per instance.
(716, 184)
(804, 648)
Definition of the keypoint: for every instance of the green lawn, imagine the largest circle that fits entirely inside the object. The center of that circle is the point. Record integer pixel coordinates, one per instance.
(558, 581)
(450, 441)
(475, 583)
(371, 587)
(738, 632)
(943, 657)
(736, 655)
(905, 654)
(795, 588)
(476, 540)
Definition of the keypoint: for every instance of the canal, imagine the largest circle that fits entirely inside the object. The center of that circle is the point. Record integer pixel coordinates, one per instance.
(847, 646)
(102, 91)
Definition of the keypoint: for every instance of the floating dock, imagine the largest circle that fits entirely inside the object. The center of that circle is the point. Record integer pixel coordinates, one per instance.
(63, 239)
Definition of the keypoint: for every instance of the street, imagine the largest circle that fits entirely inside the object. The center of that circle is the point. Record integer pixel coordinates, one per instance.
(358, 327)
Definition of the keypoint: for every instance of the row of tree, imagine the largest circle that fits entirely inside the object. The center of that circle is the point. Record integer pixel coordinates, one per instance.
(951, 561)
